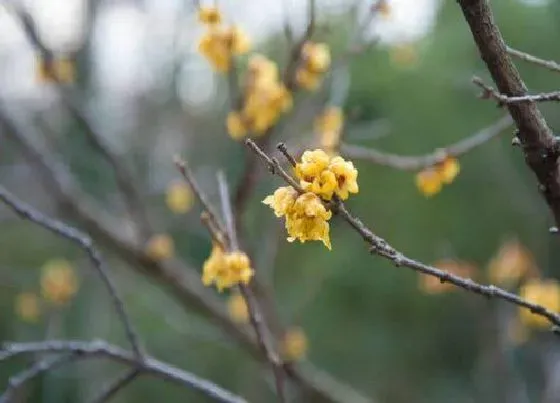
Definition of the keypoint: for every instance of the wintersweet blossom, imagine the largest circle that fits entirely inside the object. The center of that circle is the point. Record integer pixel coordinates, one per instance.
(294, 344)
(282, 201)
(308, 219)
(209, 15)
(542, 292)
(226, 270)
(160, 247)
(58, 281)
(179, 197)
(431, 180)
(315, 61)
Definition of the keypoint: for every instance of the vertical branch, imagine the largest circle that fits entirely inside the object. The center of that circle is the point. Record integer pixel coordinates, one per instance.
(255, 314)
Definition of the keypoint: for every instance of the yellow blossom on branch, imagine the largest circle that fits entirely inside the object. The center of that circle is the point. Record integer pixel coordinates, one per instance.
(315, 61)
(294, 344)
(237, 308)
(431, 180)
(219, 44)
(542, 292)
(179, 197)
(27, 307)
(58, 281)
(160, 247)
(226, 270)
(308, 219)
(282, 201)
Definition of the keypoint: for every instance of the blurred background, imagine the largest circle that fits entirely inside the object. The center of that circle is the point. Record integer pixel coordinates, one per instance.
(404, 86)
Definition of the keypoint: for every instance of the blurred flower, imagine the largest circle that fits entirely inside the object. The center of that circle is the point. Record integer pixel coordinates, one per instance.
(383, 8)
(294, 344)
(404, 55)
(209, 15)
(265, 98)
(433, 285)
(329, 127)
(60, 68)
(512, 262)
(179, 197)
(431, 179)
(237, 308)
(160, 247)
(542, 292)
(58, 281)
(27, 307)
(315, 61)
(219, 44)
(226, 269)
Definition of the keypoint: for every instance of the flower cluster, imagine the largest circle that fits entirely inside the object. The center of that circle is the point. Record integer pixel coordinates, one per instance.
(226, 269)
(321, 177)
(58, 281)
(220, 43)
(59, 68)
(315, 61)
(265, 99)
(430, 180)
(328, 125)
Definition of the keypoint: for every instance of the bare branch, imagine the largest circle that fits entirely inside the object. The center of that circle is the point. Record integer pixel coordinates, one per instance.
(255, 314)
(17, 382)
(418, 162)
(547, 64)
(535, 135)
(382, 248)
(102, 349)
(83, 241)
(489, 92)
(114, 387)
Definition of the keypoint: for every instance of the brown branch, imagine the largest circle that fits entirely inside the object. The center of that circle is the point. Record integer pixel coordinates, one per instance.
(255, 314)
(538, 141)
(381, 247)
(101, 349)
(547, 64)
(85, 242)
(418, 162)
(489, 92)
(124, 179)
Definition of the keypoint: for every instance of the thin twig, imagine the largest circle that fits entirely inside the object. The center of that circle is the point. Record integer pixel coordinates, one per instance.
(187, 173)
(83, 241)
(489, 92)
(547, 64)
(116, 386)
(418, 162)
(18, 381)
(382, 248)
(255, 314)
(104, 350)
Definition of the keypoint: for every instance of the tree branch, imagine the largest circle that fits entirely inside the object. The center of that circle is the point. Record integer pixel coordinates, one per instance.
(535, 135)
(418, 162)
(489, 92)
(114, 387)
(547, 64)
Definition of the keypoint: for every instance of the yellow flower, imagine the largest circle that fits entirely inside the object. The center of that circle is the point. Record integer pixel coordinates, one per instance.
(239, 41)
(282, 200)
(27, 306)
(542, 292)
(312, 164)
(179, 197)
(262, 71)
(160, 247)
(294, 344)
(448, 169)
(226, 269)
(236, 126)
(237, 308)
(433, 285)
(324, 184)
(214, 45)
(308, 220)
(316, 57)
(59, 69)
(329, 126)
(308, 80)
(429, 181)
(346, 177)
(209, 15)
(58, 281)
(512, 262)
